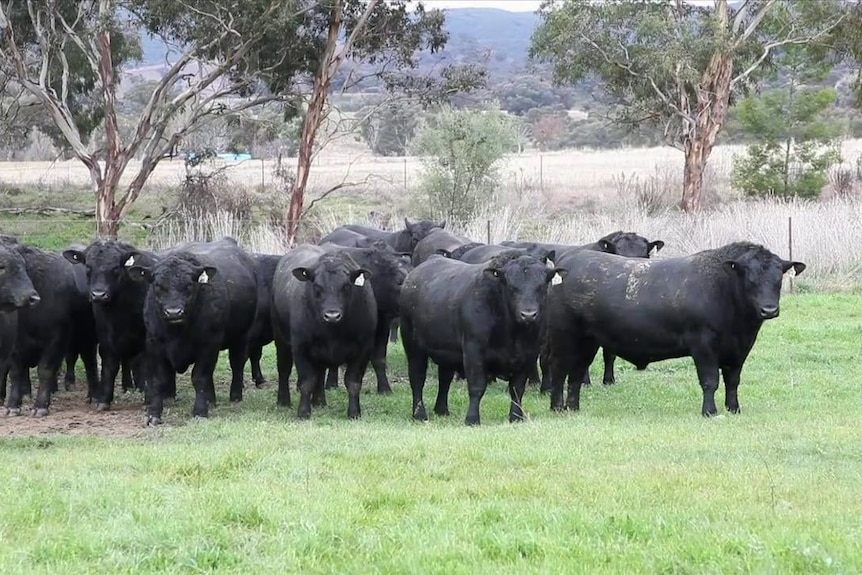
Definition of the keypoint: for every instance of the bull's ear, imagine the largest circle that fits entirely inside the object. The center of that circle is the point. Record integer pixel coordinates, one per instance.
(303, 274)
(443, 225)
(359, 277)
(607, 246)
(206, 275)
(556, 276)
(656, 245)
(798, 267)
(140, 274)
(75, 256)
(549, 259)
(443, 252)
(131, 259)
(407, 224)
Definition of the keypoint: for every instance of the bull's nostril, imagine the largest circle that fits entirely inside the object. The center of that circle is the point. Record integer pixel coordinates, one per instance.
(332, 316)
(769, 311)
(34, 299)
(99, 295)
(173, 312)
(529, 315)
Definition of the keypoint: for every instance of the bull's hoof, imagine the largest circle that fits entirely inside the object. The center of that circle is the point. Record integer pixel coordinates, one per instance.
(442, 411)
(516, 419)
(356, 415)
(69, 385)
(304, 415)
(236, 398)
(609, 382)
(204, 414)
(558, 407)
(154, 420)
(13, 412)
(471, 421)
(707, 413)
(734, 410)
(103, 406)
(419, 414)
(40, 411)
(384, 391)
(260, 384)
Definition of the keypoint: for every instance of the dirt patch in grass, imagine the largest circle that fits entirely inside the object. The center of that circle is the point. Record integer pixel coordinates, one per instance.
(72, 415)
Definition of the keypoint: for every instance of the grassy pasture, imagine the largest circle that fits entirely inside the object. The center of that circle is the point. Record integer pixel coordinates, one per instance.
(637, 482)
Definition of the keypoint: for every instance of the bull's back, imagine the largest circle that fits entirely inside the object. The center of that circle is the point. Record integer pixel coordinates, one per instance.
(431, 297)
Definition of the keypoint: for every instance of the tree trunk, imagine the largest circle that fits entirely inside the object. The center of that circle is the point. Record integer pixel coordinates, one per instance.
(713, 100)
(313, 118)
(108, 213)
(692, 187)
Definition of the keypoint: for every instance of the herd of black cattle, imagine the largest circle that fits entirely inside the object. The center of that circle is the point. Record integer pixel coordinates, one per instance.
(479, 311)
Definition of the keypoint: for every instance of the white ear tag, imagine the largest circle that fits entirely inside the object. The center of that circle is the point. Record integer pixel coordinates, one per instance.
(556, 280)
(550, 264)
(360, 280)
(203, 278)
(130, 262)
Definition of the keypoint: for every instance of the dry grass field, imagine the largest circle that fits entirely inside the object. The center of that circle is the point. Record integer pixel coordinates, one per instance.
(563, 178)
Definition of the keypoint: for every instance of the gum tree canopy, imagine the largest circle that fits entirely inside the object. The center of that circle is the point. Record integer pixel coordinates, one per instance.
(226, 58)
(675, 64)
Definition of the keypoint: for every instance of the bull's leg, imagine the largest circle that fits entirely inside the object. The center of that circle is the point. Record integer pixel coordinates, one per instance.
(731, 384)
(318, 396)
(332, 378)
(477, 381)
(137, 376)
(560, 365)
(308, 379)
(608, 377)
(4, 376)
(353, 380)
(444, 381)
(69, 378)
(47, 371)
(17, 373)
(237, 355)
(284, 361)
(584, 354)
(545, 365)
(157, 382)
(202, 380)
(393, 331)
(110, 367)
(517, 387)
(417, 371)
(707, 374)
(378, 360)
(126, 378)
(255, 352)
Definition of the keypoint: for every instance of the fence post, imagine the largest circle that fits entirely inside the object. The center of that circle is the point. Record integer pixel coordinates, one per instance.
(405, 173)
(790, 245)
(542, 172)
(488, 231)
(262, 174)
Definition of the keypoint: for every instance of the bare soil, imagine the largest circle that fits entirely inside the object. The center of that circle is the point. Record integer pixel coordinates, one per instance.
(72, 415)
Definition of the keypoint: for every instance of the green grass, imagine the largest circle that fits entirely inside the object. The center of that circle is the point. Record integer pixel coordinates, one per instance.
(637, 482)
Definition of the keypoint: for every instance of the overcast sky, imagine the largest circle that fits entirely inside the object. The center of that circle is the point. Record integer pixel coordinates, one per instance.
(511, 5)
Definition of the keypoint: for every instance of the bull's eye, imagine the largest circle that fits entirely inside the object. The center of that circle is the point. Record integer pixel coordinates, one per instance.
(2, 269)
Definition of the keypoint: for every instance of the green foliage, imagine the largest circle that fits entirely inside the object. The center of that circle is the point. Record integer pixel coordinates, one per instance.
(796, 143)
(650, 58)
(637, 482)
(82, 16)
(389, 127)
(461, 150)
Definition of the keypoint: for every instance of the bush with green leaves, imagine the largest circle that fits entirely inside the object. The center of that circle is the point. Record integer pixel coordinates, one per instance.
(389, 127)
(797, 142)
(461, 151)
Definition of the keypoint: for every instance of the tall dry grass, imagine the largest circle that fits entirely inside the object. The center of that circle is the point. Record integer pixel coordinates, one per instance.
(826, 235)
